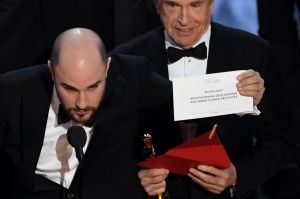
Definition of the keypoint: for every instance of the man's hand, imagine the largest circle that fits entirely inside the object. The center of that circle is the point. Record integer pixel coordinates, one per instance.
(213, 179)
(153, 180)
(251, 84)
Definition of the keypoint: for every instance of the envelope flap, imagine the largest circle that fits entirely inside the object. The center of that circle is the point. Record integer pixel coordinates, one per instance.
(213, 155)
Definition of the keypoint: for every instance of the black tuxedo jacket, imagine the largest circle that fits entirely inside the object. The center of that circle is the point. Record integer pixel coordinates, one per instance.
(108, 169)
(229, 49)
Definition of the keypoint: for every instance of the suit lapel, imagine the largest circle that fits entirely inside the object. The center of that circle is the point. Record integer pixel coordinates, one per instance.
(156, 46)
(219, 50)
(35, 107)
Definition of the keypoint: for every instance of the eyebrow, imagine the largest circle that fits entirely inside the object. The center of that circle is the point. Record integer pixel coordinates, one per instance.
(178, 3)
(75, 89)
(95, 84)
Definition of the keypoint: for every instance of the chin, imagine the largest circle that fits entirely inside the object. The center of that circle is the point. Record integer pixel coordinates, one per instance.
(81, 120)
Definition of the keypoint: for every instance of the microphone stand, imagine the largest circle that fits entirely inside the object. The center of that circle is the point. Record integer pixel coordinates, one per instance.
(79, 156)
(76, 137)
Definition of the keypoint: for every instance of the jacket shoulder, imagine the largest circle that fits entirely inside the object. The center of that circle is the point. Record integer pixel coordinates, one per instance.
(233, 35)
(24, 74)
(124, 62)
(26, 78)
(139, 44)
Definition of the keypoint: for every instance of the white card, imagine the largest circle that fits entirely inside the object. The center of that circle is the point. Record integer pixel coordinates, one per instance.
(208, 95)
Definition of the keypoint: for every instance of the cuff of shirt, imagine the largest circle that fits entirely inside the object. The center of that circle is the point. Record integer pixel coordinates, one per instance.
(255, 111)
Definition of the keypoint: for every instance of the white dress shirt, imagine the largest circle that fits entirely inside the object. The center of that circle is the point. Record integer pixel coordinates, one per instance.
(188, 66)
(57, 160)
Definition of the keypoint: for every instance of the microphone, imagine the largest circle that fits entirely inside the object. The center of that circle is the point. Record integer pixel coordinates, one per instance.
(76, 137)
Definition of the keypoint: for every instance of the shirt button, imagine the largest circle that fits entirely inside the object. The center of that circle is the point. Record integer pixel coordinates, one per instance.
(70, 195)
(189, 61)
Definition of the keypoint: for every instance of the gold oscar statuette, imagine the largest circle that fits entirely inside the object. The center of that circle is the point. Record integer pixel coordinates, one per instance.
(149, 152)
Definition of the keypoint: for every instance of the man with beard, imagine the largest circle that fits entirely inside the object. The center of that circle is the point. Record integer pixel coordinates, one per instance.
(100, 94)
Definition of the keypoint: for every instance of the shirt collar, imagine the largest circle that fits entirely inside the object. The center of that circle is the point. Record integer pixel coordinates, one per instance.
(55, 102)
(205, 38)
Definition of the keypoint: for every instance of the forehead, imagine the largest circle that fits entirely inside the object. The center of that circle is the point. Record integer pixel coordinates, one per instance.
(80, 58)
(81, 69)
(80, 73)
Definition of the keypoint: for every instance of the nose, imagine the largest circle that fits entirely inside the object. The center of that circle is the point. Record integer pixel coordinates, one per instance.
(183, 17)
(81, 101)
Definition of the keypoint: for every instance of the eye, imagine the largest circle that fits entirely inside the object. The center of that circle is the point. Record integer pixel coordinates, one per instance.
(196, 5)
(92, 87)
(171, 4)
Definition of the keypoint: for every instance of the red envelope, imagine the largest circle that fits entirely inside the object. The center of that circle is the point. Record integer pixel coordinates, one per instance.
(199, 150)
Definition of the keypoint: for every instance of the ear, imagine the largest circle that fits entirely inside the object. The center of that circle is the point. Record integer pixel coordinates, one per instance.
(157, 6)
(211, 7)
(107, 65)
(51, 69)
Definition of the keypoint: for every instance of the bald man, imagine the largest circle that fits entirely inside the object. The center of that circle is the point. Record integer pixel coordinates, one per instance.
(100, 94)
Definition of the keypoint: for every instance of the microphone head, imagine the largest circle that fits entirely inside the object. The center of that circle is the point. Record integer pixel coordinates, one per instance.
(76, 136)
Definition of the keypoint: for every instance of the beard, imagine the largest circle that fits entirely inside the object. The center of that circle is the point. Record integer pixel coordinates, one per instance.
(87, 118)
(90, 113)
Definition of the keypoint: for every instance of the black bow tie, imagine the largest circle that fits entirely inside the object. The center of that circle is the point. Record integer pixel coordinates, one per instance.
(62, 116)
(199, 52)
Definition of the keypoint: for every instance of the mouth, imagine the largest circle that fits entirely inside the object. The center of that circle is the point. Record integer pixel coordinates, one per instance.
(184, 31)
(81, 113)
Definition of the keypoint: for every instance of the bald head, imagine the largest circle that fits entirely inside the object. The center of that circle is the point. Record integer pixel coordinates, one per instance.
(79, 67)
(79, 39)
